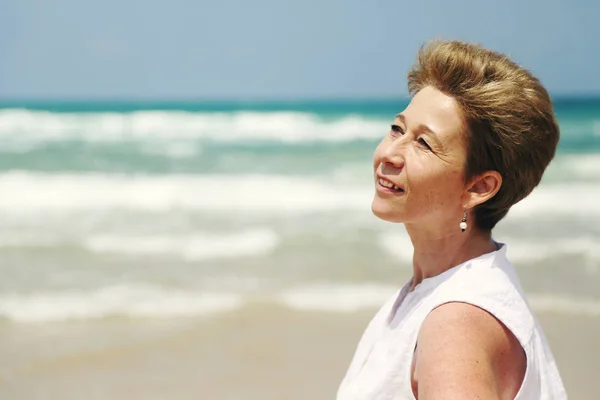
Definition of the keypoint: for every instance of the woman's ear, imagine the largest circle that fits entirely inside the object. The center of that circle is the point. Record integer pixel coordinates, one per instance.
(482, 188)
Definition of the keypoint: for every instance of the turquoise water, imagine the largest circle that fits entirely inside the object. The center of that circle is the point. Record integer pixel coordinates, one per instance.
(205, 137)
(183, 208)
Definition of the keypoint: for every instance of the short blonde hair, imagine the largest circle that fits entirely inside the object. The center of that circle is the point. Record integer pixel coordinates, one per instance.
(511, 124)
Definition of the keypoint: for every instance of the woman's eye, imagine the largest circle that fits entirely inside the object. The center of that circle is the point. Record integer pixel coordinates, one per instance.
(397, 130)
(424, 143)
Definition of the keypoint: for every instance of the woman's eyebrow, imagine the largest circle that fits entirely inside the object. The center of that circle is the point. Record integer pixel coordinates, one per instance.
(421, 128)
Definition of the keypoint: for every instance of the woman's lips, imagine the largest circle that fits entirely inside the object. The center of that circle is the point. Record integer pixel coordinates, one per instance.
(386, 186)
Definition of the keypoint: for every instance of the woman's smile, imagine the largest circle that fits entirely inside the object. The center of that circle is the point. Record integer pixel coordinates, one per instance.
(385, 186)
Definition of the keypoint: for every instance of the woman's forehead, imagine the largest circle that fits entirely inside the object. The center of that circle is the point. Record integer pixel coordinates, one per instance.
(432, 110)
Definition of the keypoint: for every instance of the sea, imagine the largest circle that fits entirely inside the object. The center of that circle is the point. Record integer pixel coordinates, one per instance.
(174, 210)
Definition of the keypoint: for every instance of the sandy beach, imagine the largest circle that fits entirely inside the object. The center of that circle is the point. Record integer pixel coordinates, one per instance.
(256, 353)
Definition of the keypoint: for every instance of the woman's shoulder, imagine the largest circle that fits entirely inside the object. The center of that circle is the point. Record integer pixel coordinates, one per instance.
(491, 284)
(463, 343)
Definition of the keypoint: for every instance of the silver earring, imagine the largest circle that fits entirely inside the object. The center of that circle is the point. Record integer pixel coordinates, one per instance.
(463, 223)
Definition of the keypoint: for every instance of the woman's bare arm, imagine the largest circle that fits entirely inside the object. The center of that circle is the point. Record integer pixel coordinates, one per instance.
(464, 352)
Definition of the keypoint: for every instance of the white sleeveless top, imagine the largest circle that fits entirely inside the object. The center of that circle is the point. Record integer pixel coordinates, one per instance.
(381, 367)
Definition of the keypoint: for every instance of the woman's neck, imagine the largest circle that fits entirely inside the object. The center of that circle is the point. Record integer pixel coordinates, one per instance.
(435, 254)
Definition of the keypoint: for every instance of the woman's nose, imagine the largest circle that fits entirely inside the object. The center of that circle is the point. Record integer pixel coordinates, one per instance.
(393, 154)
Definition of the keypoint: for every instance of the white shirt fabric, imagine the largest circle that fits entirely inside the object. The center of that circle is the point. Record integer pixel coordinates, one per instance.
(381, 367)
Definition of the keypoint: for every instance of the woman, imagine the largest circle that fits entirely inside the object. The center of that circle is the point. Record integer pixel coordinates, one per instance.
(474, 140)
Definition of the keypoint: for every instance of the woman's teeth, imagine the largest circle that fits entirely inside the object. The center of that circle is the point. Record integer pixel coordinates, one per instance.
(388, 184)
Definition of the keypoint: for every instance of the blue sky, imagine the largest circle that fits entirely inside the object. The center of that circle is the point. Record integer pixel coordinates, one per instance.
(275, 48)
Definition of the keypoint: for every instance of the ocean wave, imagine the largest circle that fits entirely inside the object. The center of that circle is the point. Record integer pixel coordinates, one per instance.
(576, 199)
(574, 167)
(551, 303)
(151, 302)
(24, 192)
(336, 297)
(519, 250)
(138, 301)
(531, 251)
(344, 298)
(397, 244)
(196, 247)
(19, 126)
(148, 301)
(32, 192)
(283, 126)
(29, 240)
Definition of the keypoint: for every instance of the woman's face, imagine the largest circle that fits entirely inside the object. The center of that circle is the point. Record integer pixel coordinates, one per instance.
(423, 156)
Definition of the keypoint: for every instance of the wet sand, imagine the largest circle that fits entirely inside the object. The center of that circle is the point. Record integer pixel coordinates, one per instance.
(257, 353)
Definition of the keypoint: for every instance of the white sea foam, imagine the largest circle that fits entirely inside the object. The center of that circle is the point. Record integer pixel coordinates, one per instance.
(199, 246)
(145, 301)
(143, 125)
(279, 125)
(28, 239)
(33, 192)
(37, 192)
(576, 199)
(172, 149)
(23, 126)
(574, 167)
(550, 303)
(343, 298)
(337, 297)
(397, 244)
(528, 250)
(128, 301)
(519, 250)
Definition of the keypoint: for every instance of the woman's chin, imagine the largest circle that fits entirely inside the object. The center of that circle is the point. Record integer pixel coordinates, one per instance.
(386, 212)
